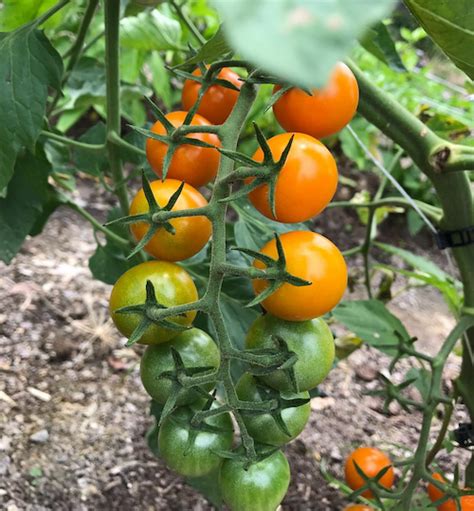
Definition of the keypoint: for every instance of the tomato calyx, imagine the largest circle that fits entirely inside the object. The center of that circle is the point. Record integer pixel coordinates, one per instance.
(275, 271)
(269, 394)
(265, 172)
(176, 137)
(183, 379)
(394, 392)
(371, 483)
(208, 76)
(154, 312)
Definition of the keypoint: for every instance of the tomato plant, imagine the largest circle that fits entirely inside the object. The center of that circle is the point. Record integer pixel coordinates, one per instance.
(217, 102)
(192, 164)
(371, 462)
(323, 112)
(172, 285)
(196, 350)
(192, 452)
(315, 259)
(127, 68)
(311, 341)
(266, 428)
(466, 502)
(182, 237)
(306, 182)
(260, 487)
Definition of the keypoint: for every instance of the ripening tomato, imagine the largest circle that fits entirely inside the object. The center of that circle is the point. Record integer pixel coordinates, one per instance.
(311, 341)
(466, 502)
(313, 258)
(371, 461)
(306, 183)
(200, 456)
(191, 232)
(260, 487)
(173, 286)
(323, 113)
(196, 349)
(358, 507)
(218, 101)
(191, 164)
(263, 427)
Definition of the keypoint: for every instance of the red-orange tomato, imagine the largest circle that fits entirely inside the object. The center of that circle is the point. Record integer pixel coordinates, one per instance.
(218, 101)
(306, 183)
(311, 257)
(323, 113)
(191, 164)
(358, 507)
(467, 502)
(191, 232)
(371, 461)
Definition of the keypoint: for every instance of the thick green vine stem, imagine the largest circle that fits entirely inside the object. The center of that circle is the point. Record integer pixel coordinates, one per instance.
(112, 47)
(440, 161)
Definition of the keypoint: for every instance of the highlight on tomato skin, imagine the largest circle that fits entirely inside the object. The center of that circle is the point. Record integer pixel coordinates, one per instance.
(190, 234)
(311, 257)
(326, 111)
(218, 101)
(305, 184)
(194, 165)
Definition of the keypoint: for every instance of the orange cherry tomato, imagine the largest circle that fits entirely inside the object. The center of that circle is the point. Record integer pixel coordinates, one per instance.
(323, 113)
(358, 507)
(306, 183)
(467, 502)
(191, 232)
(191, 164)
(371, 461)
(218, 101)
(311, 257)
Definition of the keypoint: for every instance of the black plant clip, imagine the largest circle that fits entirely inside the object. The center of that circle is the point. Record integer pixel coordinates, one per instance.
(464, 435)
(455, 238)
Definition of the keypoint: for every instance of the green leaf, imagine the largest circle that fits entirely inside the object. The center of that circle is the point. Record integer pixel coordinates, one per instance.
(150, 30)
(297, 40)
(110, 261)
(372, 322)
(378, 41)
(212, 50)
(28, 66)
(92, 163)
(252, 230)
(450, 23)
(160, 79)
(15, 13)
(23, 204)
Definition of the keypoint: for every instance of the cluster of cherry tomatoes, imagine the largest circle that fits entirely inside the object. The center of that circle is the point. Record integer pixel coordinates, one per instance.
(305, 185)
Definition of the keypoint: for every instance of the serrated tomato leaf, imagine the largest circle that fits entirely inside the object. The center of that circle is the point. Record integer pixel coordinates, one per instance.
(29, 65)
(23, 204)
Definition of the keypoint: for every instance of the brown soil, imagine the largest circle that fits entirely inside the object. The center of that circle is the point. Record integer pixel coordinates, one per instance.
(67, 382)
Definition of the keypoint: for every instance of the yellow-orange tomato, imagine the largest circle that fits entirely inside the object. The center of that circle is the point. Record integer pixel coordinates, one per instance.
(218, 101)
(358, 507)
(191, 164)
(371, 461)
(323, 113)
(306, 183)
(467, 502)
(191, 232)
(311, 257)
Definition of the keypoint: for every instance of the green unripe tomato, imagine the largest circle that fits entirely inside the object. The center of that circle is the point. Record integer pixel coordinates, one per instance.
(196, 348)
(263, 428)
(312, 341)
(261, 487)
(200, 457)
(173, 286)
